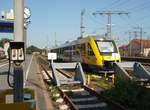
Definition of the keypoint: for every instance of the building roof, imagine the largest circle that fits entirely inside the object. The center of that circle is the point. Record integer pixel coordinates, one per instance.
(145, 42)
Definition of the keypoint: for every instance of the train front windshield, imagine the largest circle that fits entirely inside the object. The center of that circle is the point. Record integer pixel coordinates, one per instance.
(106, 46)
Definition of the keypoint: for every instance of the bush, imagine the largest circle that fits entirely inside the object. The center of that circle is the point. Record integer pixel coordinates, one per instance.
(130, 95)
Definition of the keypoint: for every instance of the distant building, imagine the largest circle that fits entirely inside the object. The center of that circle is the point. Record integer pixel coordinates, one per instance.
(136, 47)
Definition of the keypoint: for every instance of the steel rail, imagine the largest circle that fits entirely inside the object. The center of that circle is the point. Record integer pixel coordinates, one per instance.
(100, 96)
(67, 100)
(3, 60)
(137, 59)
(112, 104)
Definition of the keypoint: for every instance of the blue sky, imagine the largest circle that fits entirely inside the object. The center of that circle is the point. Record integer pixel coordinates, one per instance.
(63, 18)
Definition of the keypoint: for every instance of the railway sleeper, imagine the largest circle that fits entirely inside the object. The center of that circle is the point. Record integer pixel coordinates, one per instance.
(83, 99)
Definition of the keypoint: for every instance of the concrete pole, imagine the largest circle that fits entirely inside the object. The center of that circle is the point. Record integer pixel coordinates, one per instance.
(18, 84)
(18, 37)
(130, 44)
(25, 47)
(19, 20)
(81, 24)
(25, 38)
(109, 28)
(141, 42)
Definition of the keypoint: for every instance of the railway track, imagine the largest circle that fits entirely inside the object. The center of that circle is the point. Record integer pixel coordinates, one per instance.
(84, 98)
(3, 60)
(144, 60)
(79, 97)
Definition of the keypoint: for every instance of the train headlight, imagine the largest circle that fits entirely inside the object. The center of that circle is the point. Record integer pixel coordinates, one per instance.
(101, 39)
(115, 55)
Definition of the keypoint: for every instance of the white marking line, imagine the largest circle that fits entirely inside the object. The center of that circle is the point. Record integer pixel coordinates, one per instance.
(3, 65)
(27, 72)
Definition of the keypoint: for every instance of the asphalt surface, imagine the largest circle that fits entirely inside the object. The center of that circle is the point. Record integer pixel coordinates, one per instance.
(33, 81)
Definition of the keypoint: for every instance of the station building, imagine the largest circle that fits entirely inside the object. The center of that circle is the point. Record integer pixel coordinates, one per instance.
(136, 47)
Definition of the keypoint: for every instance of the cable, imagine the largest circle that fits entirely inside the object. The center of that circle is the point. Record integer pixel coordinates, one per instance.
(113, 3)
(143, 18)
(93, 19)
(130, 22)
(8, 76)
(137, 7)
(119, 4)
(142, 8)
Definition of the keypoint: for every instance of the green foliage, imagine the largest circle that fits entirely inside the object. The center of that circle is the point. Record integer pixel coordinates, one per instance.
(2, 41)
(32, 49)
(102, 83)
(54, 98)
(70, 94)
(54, 91)
(130, 95)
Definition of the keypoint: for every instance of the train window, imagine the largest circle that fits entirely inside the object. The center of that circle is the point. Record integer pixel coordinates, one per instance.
(61, 51)
(67, 51)
(90, 51)
(106, 46)
(83, 49)
(77, 48)
(74, 49)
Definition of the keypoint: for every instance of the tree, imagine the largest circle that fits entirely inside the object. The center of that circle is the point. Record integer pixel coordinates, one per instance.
(4, 40)
(32, 49)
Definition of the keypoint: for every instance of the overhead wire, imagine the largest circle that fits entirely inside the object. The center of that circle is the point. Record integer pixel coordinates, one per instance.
(119, 4)
(94, 21)
(142, 8)
(144, 19)
(111, 4)
(131, 21)
(144, 5)
(126, 21)
(137, 7)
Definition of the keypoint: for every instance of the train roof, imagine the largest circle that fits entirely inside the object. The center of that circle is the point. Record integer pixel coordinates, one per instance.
(78, 41)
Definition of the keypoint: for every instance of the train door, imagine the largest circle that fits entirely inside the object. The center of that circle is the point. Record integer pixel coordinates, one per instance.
(83, 52)
(70, 53)
(73, 52)
(91, 57)
(78, 53)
